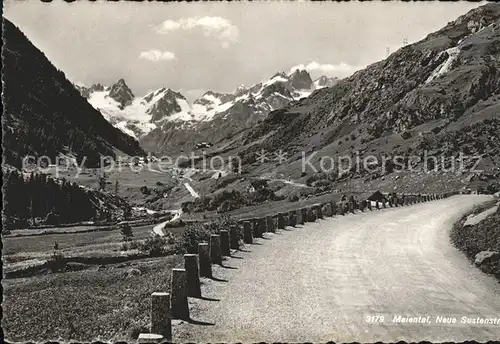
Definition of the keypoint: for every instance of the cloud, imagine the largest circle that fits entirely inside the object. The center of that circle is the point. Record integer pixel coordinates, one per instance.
(218, 27)
(156, 55)
(341, 69)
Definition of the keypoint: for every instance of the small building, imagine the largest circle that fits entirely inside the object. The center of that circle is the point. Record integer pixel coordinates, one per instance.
(202, 145)
(377, 196)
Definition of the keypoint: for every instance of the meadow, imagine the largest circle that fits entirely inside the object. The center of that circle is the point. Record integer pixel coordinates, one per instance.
(108, 303)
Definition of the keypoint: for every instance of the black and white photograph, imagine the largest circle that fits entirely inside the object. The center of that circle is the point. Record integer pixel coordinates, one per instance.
(250, 172)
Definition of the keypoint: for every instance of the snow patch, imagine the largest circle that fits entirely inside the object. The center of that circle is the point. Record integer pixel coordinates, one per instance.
(123, 127)
(301, 94)
(134, 113)
(277, 78)
(444, 67)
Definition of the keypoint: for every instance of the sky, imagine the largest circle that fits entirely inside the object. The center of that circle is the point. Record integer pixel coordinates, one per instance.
(218, 46)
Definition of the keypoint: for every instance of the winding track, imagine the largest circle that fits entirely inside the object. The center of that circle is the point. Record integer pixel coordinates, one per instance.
(318, 282)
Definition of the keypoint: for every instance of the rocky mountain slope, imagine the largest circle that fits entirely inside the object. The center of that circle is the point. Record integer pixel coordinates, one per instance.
(431, 95)
(426, 108)
(45, 115)
(165, 119)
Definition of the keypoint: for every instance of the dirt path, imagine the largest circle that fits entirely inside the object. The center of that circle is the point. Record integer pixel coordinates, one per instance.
(319, 282)
(285, 181)
(159, 228)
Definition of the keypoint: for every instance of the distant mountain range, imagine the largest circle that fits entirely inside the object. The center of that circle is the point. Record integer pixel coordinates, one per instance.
(45, 115)
(164, 117)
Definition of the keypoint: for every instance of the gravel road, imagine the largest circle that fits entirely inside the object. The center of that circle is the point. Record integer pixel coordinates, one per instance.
(321, 282)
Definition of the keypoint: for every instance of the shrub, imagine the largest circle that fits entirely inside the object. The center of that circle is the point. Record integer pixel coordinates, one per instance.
(223, 182)
(56, 262)
(234, 196)
(186, 207)
(154, 246)
(293, 198)
(321, 183)
(175, 224)
(259, 184)
(225, 207)
(493, 188)
(306, 192)
(200, 232)
(192, 236)
(261, 195)
(134, 245)
(228, 200)
(126, 232)
(315, 177)
(124, 247)
(210, 203)
(436, 130)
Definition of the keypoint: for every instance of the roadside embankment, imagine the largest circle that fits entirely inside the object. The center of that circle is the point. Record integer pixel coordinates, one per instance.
(477, 234)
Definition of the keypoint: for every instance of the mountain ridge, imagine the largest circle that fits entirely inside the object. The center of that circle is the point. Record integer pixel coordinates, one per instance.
(436, 83)
(44, 114)
(148, 118)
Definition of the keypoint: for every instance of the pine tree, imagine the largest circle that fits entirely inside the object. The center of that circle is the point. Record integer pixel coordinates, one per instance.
(127, 212)
(127, 232)
(102, 182)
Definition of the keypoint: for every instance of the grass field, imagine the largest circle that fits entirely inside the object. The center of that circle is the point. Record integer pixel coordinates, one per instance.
(40, 243)
(88, 244)
(100, 304)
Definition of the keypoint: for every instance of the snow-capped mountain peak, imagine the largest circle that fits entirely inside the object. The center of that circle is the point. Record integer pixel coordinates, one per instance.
(280, 74)
(121, 93)
(324, 81)
(166, 103)
(138, 116)
(212, 99)
(240, 90)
